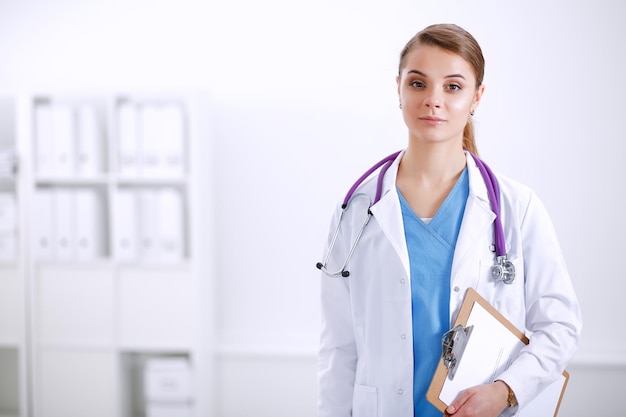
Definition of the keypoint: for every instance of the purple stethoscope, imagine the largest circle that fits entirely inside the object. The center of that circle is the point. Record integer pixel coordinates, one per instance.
(503, 270)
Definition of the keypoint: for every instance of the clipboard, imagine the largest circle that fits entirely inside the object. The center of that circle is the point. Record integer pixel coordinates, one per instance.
(480, 346)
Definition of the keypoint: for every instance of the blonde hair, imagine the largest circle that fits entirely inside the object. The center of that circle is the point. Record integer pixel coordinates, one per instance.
(460, 42)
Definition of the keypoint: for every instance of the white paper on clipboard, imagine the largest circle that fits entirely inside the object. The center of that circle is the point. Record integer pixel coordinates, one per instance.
(493, 345)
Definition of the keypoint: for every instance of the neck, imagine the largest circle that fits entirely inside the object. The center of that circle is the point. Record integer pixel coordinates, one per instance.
(432, 164)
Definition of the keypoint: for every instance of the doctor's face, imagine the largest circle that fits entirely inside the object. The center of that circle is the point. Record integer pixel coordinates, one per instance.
(437, 92)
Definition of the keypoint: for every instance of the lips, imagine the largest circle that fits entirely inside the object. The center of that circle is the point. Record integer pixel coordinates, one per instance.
(432, 120)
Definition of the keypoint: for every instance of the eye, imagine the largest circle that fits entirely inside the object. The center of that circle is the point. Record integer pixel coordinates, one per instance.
(416, 84)
(454, 87)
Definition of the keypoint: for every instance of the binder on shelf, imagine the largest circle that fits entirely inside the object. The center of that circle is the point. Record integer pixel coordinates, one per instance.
(150, 138)
(43, 236)
(64, 162)
(125, 231)
(480, 346)
(172, 142)
(171, 226)
(89, 224)
(64, 218)
(44, 139)
(89, 143)
(128, 137)
(148, 223)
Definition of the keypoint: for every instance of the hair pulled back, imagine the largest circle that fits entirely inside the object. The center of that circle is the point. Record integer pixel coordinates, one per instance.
(457, 40)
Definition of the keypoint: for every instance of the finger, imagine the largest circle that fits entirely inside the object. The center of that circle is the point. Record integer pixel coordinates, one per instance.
(458, 402)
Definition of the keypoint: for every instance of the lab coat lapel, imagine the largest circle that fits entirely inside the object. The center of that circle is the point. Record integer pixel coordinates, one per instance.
(477, 220)
(388, 214)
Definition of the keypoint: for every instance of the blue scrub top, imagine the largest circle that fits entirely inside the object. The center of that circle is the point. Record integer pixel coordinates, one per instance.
(431, 250)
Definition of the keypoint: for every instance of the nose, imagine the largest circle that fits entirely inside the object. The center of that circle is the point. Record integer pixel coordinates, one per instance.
(433, 100)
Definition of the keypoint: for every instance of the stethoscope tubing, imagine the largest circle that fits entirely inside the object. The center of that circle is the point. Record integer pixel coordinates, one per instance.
(503, 270)
(388, 160)
(493, 190)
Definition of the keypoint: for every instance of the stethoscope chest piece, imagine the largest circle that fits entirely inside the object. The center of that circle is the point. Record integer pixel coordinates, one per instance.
(503, 270)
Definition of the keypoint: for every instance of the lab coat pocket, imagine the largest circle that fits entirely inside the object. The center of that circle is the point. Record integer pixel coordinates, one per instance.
(508, 299)
(365, 401)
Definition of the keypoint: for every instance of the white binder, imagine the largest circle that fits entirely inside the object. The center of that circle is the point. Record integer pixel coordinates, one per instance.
(128, 137)
(151, 138)
(64, 223)
(89, 144)
(43, 227)
(172, 144)
(89, 224)
(148, 223)
(125, 231)
(64, 141)
(170, 225)
(44, 139)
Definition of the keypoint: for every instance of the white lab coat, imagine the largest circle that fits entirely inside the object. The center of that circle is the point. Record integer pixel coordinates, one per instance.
(365, 364)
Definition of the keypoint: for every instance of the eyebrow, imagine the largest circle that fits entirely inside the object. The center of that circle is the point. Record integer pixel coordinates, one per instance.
(424, 75)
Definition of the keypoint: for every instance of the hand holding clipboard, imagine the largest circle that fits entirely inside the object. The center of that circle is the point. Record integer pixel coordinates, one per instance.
(481, 345)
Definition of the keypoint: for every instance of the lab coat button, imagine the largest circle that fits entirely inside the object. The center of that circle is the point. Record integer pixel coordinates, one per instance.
(457, 289)
(403, 336)
(402, 281)
(400, 391)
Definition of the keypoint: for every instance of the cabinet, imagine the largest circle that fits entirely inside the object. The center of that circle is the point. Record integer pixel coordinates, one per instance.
(109, 274)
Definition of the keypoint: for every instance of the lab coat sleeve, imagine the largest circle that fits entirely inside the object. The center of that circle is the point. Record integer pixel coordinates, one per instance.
(337, 354)
(553, 316)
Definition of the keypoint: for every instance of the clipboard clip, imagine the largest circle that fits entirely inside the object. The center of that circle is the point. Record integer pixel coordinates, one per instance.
(453, 345)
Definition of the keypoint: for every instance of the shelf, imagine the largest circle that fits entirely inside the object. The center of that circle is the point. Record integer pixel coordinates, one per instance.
(101, 180)
(104, 180)
(143, 264)
(105, 262)
(154, 349)
(109, 262)
(107, 279)
(151, 182)
(151, 350)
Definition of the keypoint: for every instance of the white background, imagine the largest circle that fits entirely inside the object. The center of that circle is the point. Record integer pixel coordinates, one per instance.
(304, 100)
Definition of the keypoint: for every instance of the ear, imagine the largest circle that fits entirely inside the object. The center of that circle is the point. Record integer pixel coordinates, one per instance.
(478, 95)
(398, 85)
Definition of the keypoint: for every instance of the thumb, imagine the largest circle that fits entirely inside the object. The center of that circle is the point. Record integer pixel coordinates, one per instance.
(458, 402)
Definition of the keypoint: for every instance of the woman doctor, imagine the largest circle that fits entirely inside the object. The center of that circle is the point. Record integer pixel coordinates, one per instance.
(430, 238)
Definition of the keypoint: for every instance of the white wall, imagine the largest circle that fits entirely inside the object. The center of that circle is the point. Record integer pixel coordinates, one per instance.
(304, 101)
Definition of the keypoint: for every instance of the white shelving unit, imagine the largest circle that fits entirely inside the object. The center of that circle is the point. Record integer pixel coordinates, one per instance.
(109, 274)
(12, 303)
